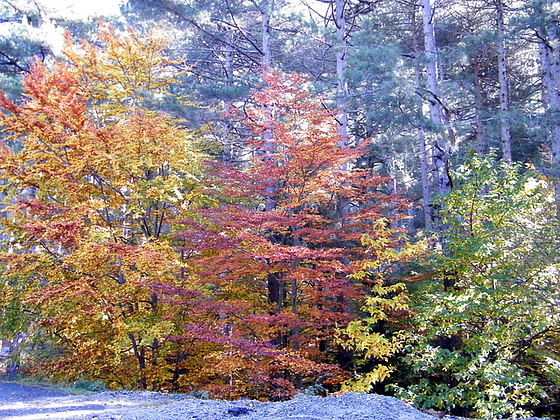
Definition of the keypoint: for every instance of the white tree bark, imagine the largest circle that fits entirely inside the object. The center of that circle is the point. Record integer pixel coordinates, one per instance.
(549, 49)
(425, 179)
(265, 9)
(266, 49)
(228, 52)
(341, 64)
(441, 148)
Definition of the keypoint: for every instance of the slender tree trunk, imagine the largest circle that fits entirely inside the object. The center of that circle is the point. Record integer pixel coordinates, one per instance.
(430, 53)
(275, 284)
(555, 107)
(266, 49)
(426, 195)
(441, 148)
(296, 330)
(480, 129)
(549, 48)
(341, 64)
(228, 59)
(342, 91)
(139, 353)
(267, 66)
(504, 88)
(228, 152)
(154, 360)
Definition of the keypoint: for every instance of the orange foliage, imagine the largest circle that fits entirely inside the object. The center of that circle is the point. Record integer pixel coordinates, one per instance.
(93, 182)
(146, 267)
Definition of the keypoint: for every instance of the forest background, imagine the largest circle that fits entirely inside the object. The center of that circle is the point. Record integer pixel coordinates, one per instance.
(262, 198)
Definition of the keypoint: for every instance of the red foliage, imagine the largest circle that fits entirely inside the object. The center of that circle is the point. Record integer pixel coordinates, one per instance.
(278, 250)
(147, 268)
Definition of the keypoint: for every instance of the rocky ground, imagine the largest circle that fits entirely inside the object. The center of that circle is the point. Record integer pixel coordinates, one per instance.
(31, 403)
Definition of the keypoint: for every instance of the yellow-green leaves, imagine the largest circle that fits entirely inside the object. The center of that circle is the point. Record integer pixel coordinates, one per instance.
(385, 299)
(484, 318)
(128, 70)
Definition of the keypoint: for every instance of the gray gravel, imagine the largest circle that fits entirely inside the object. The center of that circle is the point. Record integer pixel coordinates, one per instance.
(30, 403)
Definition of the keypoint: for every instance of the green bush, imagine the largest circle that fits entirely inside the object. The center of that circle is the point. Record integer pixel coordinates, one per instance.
(486, 313)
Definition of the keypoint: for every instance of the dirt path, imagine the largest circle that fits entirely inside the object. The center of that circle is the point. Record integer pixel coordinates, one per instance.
(32, 403)
(20, 402)
(23, 402)
(10, 392)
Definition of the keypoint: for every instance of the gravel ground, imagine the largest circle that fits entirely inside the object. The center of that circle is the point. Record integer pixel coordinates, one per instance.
(31, 403)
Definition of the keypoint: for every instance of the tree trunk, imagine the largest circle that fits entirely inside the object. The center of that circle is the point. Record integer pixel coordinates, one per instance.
(426, 195)
(430, 53)
(228, 152)
(504, 88)
(441, 148)
(342, 90)
(549, 48)
(296, 330)
(266, 49)
(341, 84)
(480, 129)
(276, 291)
(228, 59)
(139, 353)
(267, 66)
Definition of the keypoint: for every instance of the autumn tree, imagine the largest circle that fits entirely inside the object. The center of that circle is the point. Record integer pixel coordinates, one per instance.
(279, 248)
(377, 334)
(138, 268)
(88, 205)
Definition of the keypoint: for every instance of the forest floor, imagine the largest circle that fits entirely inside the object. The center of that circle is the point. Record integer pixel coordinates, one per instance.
(23, 402)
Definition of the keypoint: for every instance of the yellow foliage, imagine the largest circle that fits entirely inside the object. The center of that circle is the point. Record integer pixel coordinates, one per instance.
(90, 205)
(384, 299)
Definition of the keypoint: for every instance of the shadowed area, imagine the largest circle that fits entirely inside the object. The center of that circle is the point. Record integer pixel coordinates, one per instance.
(16, 392)
(24, 402)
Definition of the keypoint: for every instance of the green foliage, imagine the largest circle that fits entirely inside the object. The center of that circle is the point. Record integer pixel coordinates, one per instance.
(488, 298)
(472, 381)
(89, 386)
(113, 219)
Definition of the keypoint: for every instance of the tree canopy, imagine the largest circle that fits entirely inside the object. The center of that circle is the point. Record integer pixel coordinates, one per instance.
(253, 199)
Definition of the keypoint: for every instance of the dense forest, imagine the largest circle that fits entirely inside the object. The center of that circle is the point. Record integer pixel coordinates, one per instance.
(265, 198)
